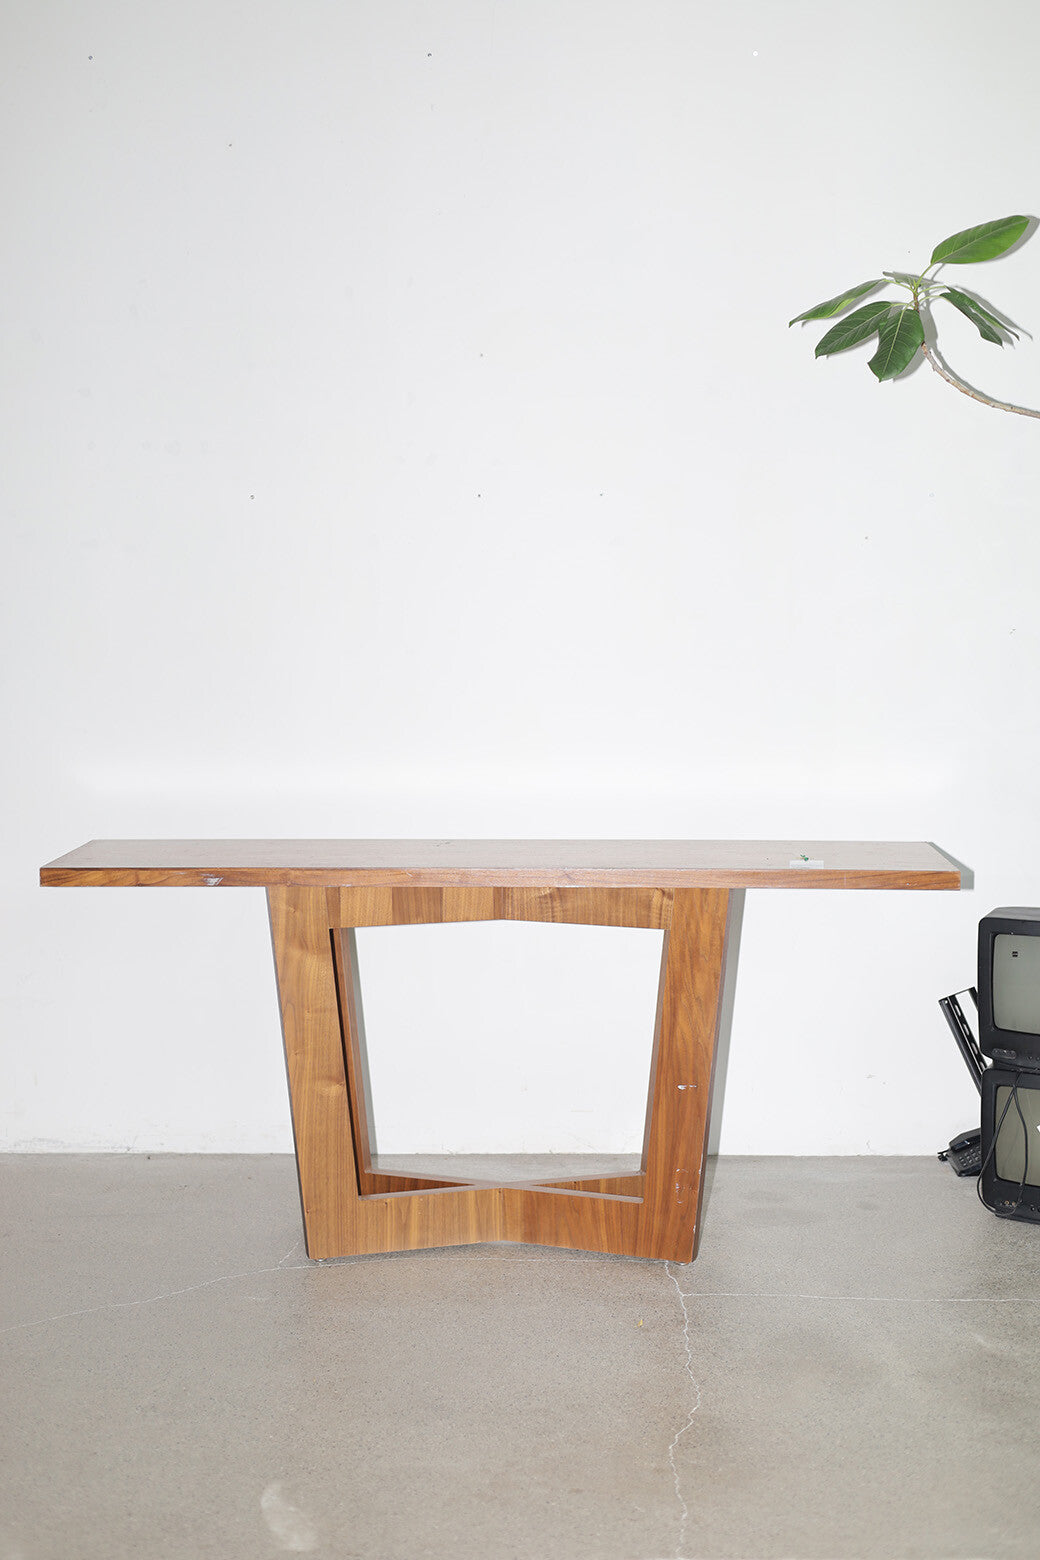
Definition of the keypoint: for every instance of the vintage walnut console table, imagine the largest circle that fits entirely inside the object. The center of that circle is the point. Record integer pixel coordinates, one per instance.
(319, 890)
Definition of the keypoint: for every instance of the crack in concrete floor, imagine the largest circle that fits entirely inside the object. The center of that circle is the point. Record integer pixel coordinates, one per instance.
(721, 1294)
(308, 1265)
(290, 1528)
(711, 1322)
(677, 1437)
(283, 1266)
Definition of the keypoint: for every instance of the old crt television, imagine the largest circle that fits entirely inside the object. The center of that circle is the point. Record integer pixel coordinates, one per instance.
(1009, 987)
(1009, 1033)
(1009, 1184)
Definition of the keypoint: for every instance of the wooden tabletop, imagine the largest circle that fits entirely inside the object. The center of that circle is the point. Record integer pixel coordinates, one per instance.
(504, 863)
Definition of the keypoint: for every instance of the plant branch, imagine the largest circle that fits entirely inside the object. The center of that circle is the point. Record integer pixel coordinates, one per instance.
(976, 395)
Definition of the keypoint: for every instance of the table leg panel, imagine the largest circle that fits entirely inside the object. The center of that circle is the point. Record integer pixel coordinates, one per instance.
(338, 1221)
(314, 1065)
(689, 1006)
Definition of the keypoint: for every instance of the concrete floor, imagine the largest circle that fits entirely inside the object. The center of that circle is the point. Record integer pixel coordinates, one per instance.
(851, 1368)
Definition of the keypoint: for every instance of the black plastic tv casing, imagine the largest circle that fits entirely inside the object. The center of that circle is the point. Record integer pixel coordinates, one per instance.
(1008, 1047)
(1007, 1199)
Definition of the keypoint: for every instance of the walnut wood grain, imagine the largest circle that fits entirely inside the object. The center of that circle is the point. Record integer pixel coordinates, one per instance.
(314, 1064)
(652, 1214)
(634, 907)
(665, 1222)
(370, 1181)
(604, 1186)
(318, 890)
(348, 908)
(675, 1151)
(581, 1221)
(380, 906)
(538, 864)
(338, 1221)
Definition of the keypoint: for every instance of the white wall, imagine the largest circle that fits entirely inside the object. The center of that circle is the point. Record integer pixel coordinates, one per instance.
(402, 436)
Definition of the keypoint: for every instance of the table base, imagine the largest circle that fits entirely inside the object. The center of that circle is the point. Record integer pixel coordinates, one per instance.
(350, 1208)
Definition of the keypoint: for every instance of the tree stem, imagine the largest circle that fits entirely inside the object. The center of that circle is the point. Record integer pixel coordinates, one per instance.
(976, 395)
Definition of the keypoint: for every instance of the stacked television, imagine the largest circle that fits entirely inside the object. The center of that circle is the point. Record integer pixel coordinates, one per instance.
(1009, 1035)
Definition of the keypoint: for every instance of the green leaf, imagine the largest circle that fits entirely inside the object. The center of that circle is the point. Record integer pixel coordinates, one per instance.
(987, 325)
(853, 329)
(823, 311)
(980, 243)
(899, 338)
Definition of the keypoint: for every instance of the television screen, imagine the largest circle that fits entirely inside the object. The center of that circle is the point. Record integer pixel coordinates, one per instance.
(1009, 1159)
(1009, 986)
(1016, 983)
(1009, 1183)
